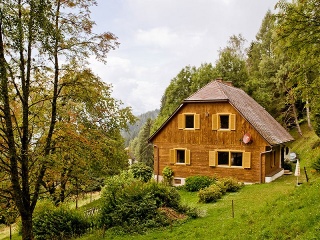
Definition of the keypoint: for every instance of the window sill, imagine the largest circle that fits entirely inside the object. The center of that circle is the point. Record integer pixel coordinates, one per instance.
(226, 166)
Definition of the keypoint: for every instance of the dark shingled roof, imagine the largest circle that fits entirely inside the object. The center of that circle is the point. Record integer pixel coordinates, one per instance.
(256, 115)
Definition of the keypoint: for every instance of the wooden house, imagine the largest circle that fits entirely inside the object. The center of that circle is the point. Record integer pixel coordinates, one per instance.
(220, 131)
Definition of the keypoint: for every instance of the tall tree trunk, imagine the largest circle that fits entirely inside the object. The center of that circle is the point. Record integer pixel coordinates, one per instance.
(295, 115)
(20, 196)
(26, 219)
(308, 114)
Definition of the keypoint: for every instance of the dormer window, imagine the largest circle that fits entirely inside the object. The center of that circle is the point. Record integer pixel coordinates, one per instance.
(223, 121)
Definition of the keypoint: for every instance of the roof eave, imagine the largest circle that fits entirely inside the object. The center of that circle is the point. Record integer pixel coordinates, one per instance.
(205, 101)
(165, 123)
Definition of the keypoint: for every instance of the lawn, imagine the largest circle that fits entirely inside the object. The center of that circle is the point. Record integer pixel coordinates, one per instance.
(277, 210)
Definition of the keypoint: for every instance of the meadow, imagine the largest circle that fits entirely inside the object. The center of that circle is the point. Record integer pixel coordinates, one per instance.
(277, 210)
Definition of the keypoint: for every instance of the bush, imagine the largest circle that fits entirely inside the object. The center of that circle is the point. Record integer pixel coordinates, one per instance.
(210, 194)
(133, 206)
(287, 166)
(316, 165)
(167, 174)
(141, 171)
(231, 184)
(50, 222)
(195, 183)
(222, 186)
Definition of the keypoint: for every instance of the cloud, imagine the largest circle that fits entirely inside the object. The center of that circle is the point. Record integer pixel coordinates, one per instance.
(156, 37)
(160, 37)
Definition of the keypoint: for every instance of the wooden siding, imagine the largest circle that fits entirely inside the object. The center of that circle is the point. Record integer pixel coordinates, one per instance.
(203, 140)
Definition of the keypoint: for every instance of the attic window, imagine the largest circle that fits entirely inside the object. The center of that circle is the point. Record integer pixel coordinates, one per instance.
(223, 121)
(189, 121)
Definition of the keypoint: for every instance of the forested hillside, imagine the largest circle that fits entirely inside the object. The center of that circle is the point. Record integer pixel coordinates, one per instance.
(279, 69)
(134, 129)
(60, 132)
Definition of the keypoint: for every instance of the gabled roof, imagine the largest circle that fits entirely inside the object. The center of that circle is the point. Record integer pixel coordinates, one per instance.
(256, 115)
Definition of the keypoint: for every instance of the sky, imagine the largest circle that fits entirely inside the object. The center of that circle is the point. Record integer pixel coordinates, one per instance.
(158, 38)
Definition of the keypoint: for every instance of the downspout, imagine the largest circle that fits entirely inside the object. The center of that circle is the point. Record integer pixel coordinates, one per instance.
(269, 151)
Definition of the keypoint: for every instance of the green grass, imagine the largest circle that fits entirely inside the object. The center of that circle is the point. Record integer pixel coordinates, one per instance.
(277, 210)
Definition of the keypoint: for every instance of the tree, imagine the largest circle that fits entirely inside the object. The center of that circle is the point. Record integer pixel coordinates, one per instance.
(34, 36)
(298, 36)
(144, 148)
(267, 78)
(188, 81)
(231, 64)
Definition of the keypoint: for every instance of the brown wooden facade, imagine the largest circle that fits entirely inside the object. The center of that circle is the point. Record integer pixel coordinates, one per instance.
(205, 140)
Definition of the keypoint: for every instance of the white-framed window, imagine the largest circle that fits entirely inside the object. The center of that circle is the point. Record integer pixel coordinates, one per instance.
(189, 121)
(229, 158)
(223, 121)
(180, 156)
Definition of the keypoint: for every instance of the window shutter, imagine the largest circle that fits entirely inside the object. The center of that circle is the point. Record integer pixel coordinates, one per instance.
(187, 157)
(246, 160)
(181, 121)
(232, 122)
(172, 156)
(212, 158)
(197, 121)
(215, 121)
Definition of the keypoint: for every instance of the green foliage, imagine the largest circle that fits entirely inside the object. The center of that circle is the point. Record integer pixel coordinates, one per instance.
(287, 166)
(52, 222)
(189, 80)
(210, 194)
(130, 205)
(316, 164)
(167, 174)
(141, 171)
(144, 151)
(231, 64)
(231, 184)
(195, 183)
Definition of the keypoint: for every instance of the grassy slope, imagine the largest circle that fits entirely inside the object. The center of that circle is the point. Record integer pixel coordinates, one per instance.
(278, 210)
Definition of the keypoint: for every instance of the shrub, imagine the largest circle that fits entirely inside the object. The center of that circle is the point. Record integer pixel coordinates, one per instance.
(210, 194)
(133, 206)
(195, 183)
(141, 171)
(167, 174)
(316, 165)
(50, 222)
(222, 186)
(165, 196)
(287, 166)
(231, 184)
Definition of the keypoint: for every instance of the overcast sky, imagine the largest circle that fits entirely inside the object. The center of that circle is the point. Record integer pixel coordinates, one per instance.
(160, 37)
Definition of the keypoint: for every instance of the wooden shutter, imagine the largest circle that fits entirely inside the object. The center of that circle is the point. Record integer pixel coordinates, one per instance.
(172, 157)
(212, 158)
(215, 122)
(181, 121)
(232, 122)
(187, 160)
(197, 121)
(246, 160)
